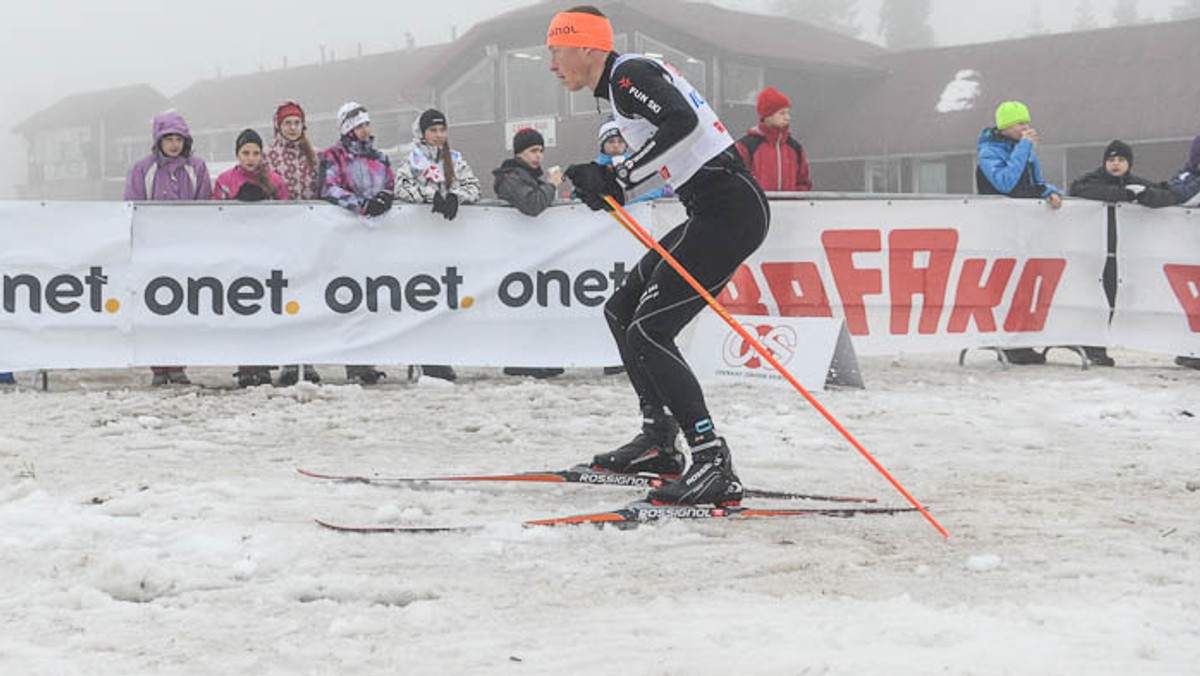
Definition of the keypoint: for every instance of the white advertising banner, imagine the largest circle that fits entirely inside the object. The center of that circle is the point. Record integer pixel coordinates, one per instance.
(929, 275)
(1158, 294)
(64, 269)
(95, 284)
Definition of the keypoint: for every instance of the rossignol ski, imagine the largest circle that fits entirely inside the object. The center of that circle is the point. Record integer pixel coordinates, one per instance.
(579, 474)
(637, 513)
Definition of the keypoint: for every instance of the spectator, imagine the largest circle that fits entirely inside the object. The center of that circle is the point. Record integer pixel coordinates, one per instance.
(250, 181)
(519, 179)
(438, 175)
(776, 159)
(612, 151)
(356, 176)
(169, 173)
(435, 173)
(1185, 186)
(1008, 165)
(519, 182)
(291, 155)
(1112, 182)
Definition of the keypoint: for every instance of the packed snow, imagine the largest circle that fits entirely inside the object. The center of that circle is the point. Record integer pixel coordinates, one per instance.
(166, 531)
(960, 93)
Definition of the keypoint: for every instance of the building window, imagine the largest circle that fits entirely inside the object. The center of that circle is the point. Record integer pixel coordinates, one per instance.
(883, 174)
(742, 83)
(583, 102)
(931, 176)
(692, 68)
(529, 89)
(472, 99)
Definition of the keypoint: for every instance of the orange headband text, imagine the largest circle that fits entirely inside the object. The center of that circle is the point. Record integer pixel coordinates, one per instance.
(577, 29)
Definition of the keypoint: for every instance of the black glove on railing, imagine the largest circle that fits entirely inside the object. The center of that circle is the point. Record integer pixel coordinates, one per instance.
(379, 204)
(446, 205)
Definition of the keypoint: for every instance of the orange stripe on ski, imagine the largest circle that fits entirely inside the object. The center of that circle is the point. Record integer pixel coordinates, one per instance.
(603, 517)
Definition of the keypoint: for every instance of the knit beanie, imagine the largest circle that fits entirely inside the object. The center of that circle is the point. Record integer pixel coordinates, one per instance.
(608, 130)
(1010, 113)
(525, 139)
(1119, 149)
(288, 109)
(248, 136)
(1194, 156)
(429, 118)
(771, 101)
(350, 115)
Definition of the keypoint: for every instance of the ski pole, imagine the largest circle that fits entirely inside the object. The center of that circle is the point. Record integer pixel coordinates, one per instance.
(629, 223)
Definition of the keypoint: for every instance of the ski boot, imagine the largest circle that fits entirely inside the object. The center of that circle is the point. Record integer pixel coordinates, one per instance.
(710, 480)
(253, 376)
(653, 450)
(440, 372)
(290, 375)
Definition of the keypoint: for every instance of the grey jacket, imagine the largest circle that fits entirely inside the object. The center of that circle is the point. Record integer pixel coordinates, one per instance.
(522, 186)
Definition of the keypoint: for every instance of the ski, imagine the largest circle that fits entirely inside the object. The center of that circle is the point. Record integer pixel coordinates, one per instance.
(579, 474)
(637, 513)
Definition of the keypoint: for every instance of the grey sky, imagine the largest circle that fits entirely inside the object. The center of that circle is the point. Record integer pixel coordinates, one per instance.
(53, 48)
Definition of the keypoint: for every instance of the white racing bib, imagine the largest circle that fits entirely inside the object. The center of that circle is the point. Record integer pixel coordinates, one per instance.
(681, 161)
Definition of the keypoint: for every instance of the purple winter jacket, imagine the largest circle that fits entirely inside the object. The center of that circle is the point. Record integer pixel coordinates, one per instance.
(157, 177)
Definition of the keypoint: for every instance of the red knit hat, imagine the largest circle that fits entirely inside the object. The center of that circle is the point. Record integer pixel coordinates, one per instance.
(771, 101)
(288, 109)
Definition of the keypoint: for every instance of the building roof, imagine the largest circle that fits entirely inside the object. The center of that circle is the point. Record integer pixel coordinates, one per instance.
(378, 81)
(1135, 83)
(773, 38)
(130, 106)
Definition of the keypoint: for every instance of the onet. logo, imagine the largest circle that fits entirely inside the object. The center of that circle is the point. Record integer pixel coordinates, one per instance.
(780, 341)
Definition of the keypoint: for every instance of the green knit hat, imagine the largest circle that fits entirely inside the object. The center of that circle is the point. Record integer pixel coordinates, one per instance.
(1010, 113)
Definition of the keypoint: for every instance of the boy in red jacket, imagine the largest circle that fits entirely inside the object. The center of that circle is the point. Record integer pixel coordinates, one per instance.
(775, 158)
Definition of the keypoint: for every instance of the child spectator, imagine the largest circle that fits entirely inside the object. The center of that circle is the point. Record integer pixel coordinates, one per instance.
(612, 151)
(356, 176)
(250, 181)
(1185, 185)
(776, 159)
(169, 173)
(1008, 165)
(1112, 182)
(435, 173)
(291, 155)
(519, 182)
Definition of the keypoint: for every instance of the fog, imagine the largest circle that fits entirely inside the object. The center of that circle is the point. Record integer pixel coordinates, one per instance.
(54, 48)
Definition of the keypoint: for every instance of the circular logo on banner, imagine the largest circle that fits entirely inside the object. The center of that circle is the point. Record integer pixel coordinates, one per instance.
(780, 341)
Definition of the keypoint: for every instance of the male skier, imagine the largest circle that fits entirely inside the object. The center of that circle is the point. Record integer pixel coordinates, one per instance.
(675, 140)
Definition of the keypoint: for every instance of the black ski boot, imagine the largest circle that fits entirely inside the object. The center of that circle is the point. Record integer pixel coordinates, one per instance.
(653, 450)
(364, 375)
(710, 480)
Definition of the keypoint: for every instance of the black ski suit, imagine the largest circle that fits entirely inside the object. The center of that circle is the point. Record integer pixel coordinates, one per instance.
(728, 217)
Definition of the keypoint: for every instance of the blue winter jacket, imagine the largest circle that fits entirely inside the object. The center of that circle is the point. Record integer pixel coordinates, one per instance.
(1010, 167)
(1185, 185)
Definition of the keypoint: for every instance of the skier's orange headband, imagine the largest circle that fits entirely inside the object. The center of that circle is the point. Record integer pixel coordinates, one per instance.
(579, 29)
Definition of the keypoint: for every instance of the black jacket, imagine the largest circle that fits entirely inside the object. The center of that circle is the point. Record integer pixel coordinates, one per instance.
(522, 186)
(1103, 186)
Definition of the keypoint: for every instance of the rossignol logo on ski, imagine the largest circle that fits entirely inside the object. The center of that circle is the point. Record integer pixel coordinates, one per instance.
(657, 512)
(619, 480)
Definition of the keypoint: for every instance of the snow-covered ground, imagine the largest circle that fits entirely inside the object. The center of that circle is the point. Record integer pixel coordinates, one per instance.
(163, 532)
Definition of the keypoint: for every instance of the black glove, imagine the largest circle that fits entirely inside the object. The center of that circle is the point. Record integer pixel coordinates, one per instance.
(592, 181)
(379, 204)
(445, 205)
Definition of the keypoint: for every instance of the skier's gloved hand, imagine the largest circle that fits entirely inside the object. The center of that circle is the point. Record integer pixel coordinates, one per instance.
(446, 205)
(592, 181)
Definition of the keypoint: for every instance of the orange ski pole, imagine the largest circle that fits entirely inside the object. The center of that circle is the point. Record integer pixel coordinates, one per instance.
(629, 223)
